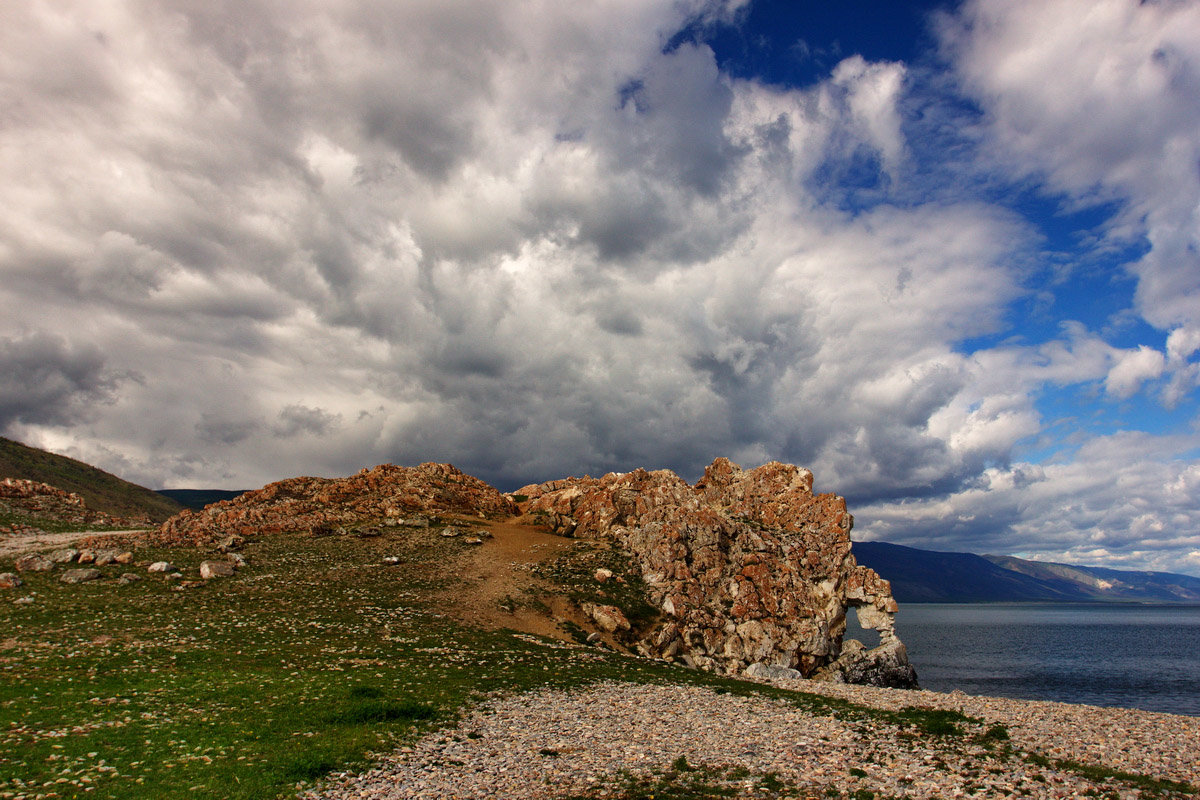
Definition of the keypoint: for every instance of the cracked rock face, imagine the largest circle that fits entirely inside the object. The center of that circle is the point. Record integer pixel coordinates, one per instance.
(748, 566)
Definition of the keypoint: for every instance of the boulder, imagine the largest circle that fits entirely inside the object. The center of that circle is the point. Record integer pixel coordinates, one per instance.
(215, 569)
(34, 562)
(125, 557)
(64, 556)
(81, 575)
(105, 557)
(10, 580)
(602, 575)
(86, 556)
(771, 672)
(161, 566)
(609, 618)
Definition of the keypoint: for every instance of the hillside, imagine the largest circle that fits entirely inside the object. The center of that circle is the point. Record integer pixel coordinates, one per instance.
(928, 576)
(100, 490)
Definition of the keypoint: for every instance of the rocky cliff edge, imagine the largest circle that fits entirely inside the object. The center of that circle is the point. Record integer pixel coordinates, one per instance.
(752, 571)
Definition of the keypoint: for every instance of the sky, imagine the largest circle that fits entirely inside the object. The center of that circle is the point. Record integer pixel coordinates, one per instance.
(946, 255)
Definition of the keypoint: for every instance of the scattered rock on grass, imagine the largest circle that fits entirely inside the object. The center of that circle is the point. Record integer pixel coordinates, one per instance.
(124, 558)
(473, 540)
(81, 575)
(128, 577)
(603, 574)
(237, 559)
(160, 566)
(215, 569)
(34, 562)
(10, 580)
(64, 556)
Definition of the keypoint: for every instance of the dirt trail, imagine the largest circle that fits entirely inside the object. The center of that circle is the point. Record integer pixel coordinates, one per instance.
(27, 542)
(501, 569)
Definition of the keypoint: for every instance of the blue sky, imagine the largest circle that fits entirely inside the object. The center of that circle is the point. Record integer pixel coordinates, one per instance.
(946, 255)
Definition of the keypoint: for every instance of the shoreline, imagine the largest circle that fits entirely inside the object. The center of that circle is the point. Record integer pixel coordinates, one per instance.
(591, 741)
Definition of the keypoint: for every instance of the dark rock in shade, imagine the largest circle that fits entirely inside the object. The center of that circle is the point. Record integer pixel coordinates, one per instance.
(886, 665)
(129, 577)
(10, 580)
(34, 562)
(81, 575)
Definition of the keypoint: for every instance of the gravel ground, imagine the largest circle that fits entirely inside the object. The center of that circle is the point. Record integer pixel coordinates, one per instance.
(556, 744)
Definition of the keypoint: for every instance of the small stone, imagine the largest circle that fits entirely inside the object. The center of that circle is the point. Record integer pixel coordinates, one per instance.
(86, 556)
(128, 577)
(64, 556)
(391, 559)
(231, 543)
(10, 580)
(81, 575)
(35, 562)
(603, 575)
(124, 558)
(105, 557)
(237, 559)
(450, 532)
(160, 566)
(174, 576)
(473, 540)
(26, 600)
(215, 569)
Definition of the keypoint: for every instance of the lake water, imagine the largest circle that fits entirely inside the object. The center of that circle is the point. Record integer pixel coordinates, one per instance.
(1132, 656)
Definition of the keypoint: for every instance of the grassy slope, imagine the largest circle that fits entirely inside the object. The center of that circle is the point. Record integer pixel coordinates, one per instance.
(307, 661)
(100, 490)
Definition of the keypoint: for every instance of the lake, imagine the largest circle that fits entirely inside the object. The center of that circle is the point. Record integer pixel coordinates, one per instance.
(1134, 656)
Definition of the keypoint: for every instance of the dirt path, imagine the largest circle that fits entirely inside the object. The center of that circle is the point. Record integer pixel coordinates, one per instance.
(499, 571)
(11, 545)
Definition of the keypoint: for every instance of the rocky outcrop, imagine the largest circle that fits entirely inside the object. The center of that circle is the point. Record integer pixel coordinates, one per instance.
(748, 568)
(41, 501)
(321, 505)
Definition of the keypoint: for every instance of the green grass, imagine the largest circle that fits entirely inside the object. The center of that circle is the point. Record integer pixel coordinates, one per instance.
(307, 662)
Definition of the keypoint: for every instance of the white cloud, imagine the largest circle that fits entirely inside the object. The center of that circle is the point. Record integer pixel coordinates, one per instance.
(520, 237)
(1099, 97)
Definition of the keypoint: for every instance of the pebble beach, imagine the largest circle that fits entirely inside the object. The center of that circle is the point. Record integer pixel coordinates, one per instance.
(592, 741)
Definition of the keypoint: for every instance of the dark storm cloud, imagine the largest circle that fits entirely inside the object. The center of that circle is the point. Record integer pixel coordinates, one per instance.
(44, 379)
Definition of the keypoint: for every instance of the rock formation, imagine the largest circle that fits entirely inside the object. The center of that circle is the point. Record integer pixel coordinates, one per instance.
(750, 571)
(36, 500)
(749, 567)
(323, 504)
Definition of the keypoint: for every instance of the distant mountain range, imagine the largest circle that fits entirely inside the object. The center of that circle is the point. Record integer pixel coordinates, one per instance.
(928, 576)
(199, 498)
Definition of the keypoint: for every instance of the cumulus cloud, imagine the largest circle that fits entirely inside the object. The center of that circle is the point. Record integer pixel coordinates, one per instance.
(1099, 98)
(534, 241)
